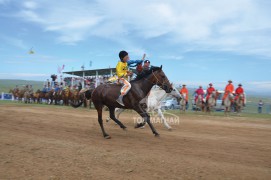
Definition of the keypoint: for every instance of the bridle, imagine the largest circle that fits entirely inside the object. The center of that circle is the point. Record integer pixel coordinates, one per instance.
(157, 81)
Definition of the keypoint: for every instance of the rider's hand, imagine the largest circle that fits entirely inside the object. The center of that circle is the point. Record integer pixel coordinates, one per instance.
(130, 73)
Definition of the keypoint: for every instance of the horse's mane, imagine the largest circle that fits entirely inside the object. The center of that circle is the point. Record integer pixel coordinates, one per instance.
(146, 73)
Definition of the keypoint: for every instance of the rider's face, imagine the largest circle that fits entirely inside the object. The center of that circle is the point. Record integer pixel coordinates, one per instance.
(146, 64)
(126, 58)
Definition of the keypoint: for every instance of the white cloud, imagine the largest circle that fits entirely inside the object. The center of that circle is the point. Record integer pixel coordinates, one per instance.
(30, 5)
(225, 25)
(22, 75)
(262, 85)
(14, 41)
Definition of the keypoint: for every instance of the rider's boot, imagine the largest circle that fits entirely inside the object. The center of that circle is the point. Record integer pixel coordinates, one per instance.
(119, 100)
(222, 102)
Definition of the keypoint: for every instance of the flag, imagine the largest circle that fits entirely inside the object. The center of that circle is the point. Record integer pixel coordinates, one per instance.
(59, 69)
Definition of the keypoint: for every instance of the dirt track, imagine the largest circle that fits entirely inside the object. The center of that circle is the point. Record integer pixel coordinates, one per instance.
(61, 143)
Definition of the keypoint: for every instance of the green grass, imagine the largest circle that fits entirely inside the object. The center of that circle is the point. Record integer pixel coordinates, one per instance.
(176, 112)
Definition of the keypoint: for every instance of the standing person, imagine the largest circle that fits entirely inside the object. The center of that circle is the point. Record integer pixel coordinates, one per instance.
(123, 73)
(79, 86)
(210, 90)
(260, 106)
(228, 89)
(184, 91)
(238, 92)
(199, 92)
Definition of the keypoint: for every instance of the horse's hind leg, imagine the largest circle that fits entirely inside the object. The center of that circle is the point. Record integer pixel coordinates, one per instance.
(100, 120)
(112, 116)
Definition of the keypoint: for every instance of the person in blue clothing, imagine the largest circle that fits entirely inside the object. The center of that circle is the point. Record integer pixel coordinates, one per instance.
(44, 90)
(49, 88)
(56, 89)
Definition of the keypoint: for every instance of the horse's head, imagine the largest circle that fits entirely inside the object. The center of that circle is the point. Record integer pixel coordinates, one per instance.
(175, 93)
(241, 97)
(231, 96)
(159, 78)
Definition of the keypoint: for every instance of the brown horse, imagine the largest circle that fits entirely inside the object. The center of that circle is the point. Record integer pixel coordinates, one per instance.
(106, 95)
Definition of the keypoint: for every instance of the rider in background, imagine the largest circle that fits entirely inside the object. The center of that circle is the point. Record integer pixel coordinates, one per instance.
(228, 89)
(16, 89)
(30, 90)
(198, 92)
(123, 73)
(44, 90)
(56, 89)
(184, 91)
(238, 92)
(210, 90)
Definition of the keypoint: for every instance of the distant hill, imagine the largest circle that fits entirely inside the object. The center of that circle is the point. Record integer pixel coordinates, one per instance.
(7, 84)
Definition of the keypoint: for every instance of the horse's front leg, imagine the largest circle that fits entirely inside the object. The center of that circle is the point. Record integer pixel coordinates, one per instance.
(112, 116)
(146, 118)
(161, 115)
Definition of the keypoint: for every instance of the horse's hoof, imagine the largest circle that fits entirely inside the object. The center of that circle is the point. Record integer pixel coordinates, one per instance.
(169, 129)
(107, 137)
(124, 128)
(157, 135)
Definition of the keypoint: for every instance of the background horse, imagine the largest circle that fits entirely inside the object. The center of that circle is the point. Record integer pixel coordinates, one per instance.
(199, 103)
(211, 102)
(239, 103)
(227, 103)
(183, 102)
(14, 93)
(154, 100)
(106, 95)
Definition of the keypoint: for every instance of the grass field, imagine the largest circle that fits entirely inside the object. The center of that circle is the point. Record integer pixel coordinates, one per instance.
(168, 112)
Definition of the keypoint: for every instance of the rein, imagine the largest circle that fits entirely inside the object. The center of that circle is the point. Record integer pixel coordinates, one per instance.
(156, 80)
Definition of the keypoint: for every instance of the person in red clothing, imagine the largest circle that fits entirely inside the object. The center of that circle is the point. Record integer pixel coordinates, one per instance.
(210, 90)
(198, 92)
(238, 92)
(228, 89)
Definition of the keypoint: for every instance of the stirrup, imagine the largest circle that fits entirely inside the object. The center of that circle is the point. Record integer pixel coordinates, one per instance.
(119, 100)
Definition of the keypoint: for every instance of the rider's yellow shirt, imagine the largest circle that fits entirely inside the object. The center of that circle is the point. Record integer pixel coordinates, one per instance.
(121, 69)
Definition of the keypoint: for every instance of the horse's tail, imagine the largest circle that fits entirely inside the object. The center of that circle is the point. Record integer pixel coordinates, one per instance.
(82, 97)
(77, 105)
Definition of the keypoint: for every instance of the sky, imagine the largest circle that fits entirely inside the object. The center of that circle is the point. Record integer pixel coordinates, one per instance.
(196, 41)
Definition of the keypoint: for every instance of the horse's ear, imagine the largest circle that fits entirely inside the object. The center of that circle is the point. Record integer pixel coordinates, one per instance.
(161, 67)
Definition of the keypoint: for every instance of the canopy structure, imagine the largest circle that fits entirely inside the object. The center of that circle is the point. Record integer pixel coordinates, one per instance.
(93, 72)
